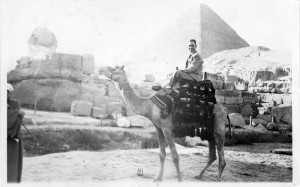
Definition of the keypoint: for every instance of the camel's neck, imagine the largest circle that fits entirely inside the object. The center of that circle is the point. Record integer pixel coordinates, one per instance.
(141, 106)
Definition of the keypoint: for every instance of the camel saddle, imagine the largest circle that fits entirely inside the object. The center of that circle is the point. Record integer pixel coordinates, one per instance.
(192, 108)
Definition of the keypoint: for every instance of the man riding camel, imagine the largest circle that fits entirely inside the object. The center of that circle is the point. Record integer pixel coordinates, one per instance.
(192, 71)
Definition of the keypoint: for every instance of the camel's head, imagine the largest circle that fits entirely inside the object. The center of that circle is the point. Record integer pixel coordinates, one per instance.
(116, 74)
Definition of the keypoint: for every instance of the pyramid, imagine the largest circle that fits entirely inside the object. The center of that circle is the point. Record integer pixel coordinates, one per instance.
(169, 49)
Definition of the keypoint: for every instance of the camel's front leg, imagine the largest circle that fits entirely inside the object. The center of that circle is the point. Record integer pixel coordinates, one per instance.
(162, 153)
(170, 139)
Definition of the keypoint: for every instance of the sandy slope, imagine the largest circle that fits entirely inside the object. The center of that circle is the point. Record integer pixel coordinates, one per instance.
(122, 165)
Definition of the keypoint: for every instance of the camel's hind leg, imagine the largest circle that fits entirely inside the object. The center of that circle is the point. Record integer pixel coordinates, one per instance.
(162, 153)
(170, 139)
(220, 146)
(211, 158)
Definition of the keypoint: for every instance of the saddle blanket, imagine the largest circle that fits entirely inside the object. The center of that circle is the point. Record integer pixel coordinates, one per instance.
(164, 102)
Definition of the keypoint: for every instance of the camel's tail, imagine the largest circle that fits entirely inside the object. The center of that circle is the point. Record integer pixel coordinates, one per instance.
(229, 127)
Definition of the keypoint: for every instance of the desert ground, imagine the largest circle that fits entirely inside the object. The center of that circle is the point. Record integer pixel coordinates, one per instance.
(245, 163)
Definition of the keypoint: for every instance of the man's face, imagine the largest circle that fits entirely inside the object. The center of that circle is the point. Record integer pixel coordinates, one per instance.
(192, 47)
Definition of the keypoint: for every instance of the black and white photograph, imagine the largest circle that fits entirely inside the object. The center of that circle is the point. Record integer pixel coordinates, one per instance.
(149, 92)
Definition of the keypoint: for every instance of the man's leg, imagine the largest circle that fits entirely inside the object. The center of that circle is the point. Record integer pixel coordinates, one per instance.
(179, 75)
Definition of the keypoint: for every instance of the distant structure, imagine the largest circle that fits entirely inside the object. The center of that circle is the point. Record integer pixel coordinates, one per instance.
(42, 43)
(201, 23)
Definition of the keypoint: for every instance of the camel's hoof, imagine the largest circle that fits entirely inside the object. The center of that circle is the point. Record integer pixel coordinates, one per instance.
(198, 177)
(157, 180)
(179, 180)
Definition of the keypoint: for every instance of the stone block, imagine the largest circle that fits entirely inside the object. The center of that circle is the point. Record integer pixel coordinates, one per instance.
(87, 97)
(264, 97)
(93, 89)
(220, 99)
(287, 118)
(249, 97)
(98, 112)
(236, 119)
(241, 86)
(99, 100)
(60, 66)
(231, 78)
(234, 108)
(81, 108)
(50, 94)
(139, 121)
(211, 76)
(229, 86)
(218, 84)
(88, 64)
(123, 122)
(116, 115)
(279, 111)
(246, 109)
(115, 109)
(255, 122)
(233, 100)
(267, 118)
(287, 99)
(229, 93)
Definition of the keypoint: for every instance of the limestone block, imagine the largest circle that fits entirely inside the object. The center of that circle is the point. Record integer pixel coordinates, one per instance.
(265, 75)
(88, 64)
(220, 99)
(233, 100)
(246, 109)
(287, 98)
(123, 122)
(287, 118)
(277, 98)
(279, 111)
(241, 86)
(229, 86)
(87, 97)
(236, 119)
(139, 121)
(255, 122)
(50, 94)
(262, 110)
(231, 78)
(211, 76)
(229, 93)
(249, 100)
(218, 84)
(194, 141)
(116, 115)
(233, 108)
(115, 109)
(98, 112)
(81, 108)
(264, 97)
(62, 66)
(266, 117)
(99, 100)
(93, 89)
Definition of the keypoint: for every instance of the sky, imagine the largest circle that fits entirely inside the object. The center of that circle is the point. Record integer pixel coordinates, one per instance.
(113, 30)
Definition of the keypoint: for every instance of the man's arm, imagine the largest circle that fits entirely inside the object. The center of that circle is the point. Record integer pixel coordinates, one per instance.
(197, 61)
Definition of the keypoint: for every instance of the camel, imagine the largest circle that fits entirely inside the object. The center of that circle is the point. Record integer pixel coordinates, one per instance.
(164, 127)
